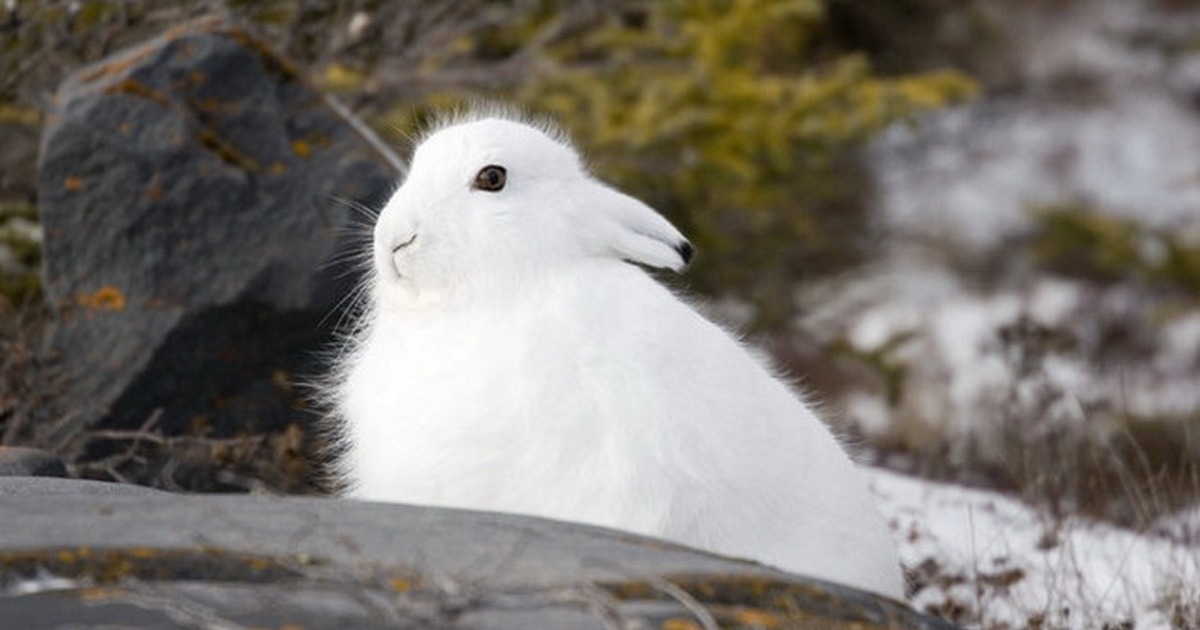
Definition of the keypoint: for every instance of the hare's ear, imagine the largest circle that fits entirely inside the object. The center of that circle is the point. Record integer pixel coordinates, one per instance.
(633, 231)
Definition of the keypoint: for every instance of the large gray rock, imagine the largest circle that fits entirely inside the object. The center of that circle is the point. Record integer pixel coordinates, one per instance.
(40, 486)
(189, 194)
(159, 560)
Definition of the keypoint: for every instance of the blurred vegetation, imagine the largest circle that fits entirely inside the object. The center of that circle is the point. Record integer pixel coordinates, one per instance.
(735, 119)
(20, 253)
(1081, 242)
(904, 36)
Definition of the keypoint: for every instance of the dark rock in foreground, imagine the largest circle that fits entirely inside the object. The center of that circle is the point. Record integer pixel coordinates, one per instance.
(70, 554)
(189, 194)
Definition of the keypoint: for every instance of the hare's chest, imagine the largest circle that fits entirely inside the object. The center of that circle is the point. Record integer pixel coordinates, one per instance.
(459, 377)
(490, 420)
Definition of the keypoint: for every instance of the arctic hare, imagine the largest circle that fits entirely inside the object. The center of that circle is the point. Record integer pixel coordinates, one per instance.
(513, 359)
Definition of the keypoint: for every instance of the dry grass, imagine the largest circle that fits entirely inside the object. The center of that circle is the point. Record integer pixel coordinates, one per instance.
(269, 463)
(21, 328)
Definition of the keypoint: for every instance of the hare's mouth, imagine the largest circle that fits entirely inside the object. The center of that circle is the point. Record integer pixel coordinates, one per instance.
(397, 248)
(389, 259)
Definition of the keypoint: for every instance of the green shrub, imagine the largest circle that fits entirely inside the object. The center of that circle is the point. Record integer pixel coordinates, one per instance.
(1083, 242)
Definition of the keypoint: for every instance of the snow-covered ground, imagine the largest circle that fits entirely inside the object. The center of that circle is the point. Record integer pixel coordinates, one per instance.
(988, 561)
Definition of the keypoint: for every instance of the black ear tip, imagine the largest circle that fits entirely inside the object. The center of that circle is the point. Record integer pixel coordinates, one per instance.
(686, 251)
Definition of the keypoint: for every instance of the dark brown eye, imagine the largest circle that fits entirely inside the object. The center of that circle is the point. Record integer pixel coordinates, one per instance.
(491, 178)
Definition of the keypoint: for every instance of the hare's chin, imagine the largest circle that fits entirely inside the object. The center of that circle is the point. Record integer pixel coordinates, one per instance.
(400, 294)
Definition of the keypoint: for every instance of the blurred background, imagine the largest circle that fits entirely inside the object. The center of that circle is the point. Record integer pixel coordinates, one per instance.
(971, 229)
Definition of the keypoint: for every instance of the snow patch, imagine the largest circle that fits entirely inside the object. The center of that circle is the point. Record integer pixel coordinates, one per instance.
(1001, 564)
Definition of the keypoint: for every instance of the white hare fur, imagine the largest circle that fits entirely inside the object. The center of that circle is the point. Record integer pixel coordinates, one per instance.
(513, 360)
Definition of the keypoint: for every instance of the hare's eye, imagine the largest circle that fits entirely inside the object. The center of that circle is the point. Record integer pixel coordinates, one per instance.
(491, 178)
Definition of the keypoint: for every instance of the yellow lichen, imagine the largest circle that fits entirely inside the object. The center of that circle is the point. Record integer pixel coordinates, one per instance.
(106, 298)
(341, 78)
(99, 593)
(142, 553)
(301, 148)
(679, 623)
(16, 115)
(154, 191)
(226, 151)
(136, 88)
(756, 618)
(259, 564)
